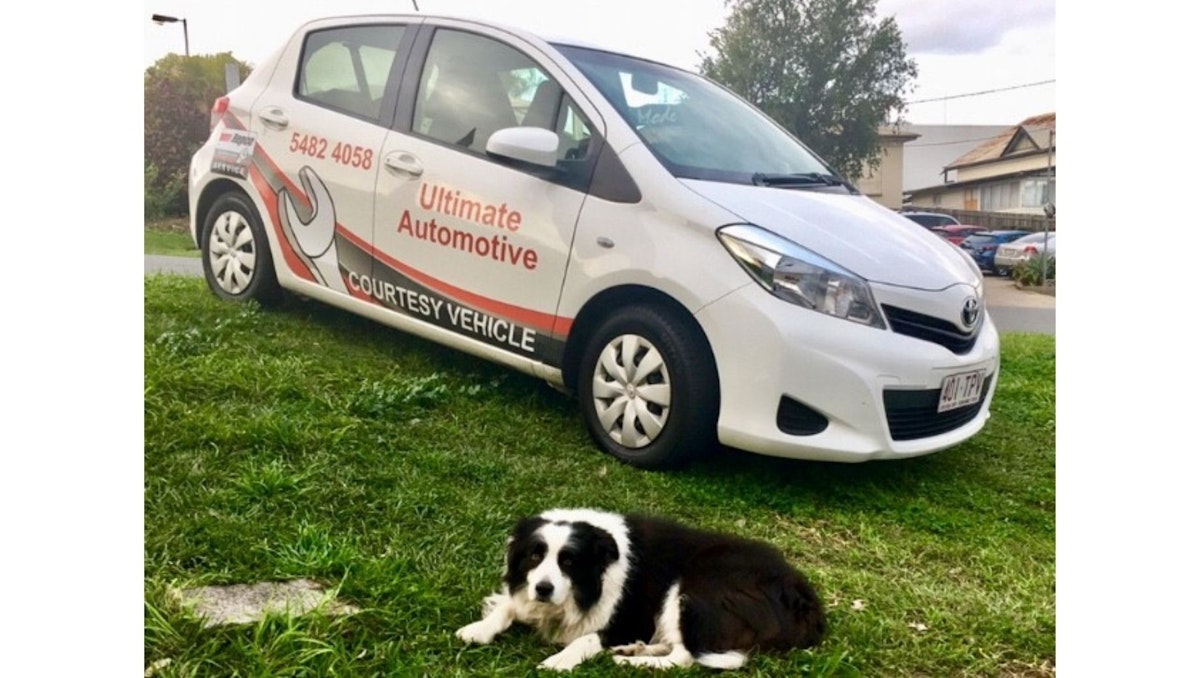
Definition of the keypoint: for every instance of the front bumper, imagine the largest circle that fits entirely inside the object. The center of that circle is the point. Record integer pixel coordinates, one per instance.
(772, 353)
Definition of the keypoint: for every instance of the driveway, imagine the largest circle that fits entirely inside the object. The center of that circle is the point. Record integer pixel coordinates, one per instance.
(1014, 310)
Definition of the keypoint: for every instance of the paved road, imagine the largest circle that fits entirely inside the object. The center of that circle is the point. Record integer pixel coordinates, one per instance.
(182, 265)
(1012, 309)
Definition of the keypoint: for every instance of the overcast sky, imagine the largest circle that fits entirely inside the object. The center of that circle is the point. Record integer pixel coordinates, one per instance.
(961, 46)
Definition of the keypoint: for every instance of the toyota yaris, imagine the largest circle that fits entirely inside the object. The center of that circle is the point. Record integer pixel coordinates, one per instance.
(620, 228)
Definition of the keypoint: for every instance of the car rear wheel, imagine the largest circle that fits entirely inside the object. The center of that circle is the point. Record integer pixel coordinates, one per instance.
(236, 254)
(648, 388)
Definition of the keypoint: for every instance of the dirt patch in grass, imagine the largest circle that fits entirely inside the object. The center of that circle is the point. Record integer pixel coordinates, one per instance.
(248, 603)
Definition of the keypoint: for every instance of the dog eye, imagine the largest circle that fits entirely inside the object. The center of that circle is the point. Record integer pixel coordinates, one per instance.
(564, 560)
(535, 557)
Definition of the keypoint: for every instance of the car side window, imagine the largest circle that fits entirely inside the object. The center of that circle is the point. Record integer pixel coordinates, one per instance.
(346, 69)
(472, 86)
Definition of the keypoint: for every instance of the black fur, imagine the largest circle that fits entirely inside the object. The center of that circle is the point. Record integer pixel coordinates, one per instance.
(738, 594)
(521, 548)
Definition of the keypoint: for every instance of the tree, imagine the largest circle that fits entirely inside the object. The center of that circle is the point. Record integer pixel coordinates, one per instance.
(827, 70)
(179, 93)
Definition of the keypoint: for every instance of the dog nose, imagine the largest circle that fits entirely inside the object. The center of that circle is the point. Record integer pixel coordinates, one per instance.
(543, 590)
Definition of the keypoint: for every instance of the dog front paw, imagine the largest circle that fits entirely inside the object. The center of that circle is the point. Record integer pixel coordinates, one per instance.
(630, 650)
(563, 661)
(479, 633)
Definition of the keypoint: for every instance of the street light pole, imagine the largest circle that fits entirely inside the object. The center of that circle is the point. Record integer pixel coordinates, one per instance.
(161, 19)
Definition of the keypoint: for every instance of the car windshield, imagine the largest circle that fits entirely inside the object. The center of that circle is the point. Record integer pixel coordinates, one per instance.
(697, 129)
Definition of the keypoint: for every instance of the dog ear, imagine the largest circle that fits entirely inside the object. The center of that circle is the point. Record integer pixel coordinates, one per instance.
(525, 527)
(604, 547)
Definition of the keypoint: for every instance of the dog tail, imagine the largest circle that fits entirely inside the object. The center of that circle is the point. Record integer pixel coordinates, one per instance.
(725, 661)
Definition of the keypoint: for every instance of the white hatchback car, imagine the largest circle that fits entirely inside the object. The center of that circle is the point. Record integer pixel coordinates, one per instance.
(617, 227)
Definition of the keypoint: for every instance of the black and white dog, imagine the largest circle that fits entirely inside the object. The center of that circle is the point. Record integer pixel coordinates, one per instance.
(653, 592)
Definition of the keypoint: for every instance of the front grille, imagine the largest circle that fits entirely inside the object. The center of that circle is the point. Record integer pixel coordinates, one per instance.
(928, 328)
(913, 414)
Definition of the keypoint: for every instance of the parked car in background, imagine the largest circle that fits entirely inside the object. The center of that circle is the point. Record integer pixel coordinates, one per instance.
(931, 219)
(1010, 255)
(982, 246)
(956, 234)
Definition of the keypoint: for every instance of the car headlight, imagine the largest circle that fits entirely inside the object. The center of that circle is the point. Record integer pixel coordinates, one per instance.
(800, 276)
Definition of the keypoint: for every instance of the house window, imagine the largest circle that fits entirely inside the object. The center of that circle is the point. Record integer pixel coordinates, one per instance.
(1000, 196)
(1034, 192)
(1008, 195)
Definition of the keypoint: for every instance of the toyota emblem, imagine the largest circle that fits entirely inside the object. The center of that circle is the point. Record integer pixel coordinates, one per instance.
(970, 312)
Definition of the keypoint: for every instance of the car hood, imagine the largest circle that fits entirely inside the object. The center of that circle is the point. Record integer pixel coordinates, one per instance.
(853, 231)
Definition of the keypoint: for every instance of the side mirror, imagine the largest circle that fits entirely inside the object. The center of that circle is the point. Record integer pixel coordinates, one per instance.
(533, 145)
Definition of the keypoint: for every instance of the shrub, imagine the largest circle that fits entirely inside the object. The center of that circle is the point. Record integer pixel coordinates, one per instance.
(179, 93)
(164, 196)
(1029, 272)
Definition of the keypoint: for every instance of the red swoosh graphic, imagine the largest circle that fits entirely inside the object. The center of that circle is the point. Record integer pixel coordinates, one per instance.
(547, 323)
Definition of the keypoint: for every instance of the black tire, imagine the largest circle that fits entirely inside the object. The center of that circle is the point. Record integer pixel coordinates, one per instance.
(235, 252)
(674, 403)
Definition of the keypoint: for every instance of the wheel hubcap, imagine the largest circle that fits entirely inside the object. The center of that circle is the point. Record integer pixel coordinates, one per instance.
(631, 391)
(231, 252)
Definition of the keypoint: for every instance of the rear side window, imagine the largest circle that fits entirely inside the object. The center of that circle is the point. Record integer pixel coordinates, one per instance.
(931, 220)
(346, 69)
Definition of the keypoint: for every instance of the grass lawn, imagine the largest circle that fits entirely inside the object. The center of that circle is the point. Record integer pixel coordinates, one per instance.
(306, 442)
(170, 237)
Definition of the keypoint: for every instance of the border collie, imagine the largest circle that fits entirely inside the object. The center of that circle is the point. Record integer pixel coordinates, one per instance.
(653, 592)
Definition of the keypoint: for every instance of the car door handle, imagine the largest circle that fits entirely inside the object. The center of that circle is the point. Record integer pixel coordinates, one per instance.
(403, 161)
(274, 117)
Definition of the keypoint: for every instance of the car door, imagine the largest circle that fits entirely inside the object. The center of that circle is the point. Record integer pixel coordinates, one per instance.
(472, 243)
(321, 125)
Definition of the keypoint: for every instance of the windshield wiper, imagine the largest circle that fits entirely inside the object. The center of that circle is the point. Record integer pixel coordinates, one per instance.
(798, 179)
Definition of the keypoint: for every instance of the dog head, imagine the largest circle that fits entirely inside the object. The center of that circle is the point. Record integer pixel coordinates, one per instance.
(551, 562)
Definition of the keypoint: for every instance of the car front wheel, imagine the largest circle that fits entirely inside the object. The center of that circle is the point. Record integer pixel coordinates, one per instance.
(235, 253)
(648, 388)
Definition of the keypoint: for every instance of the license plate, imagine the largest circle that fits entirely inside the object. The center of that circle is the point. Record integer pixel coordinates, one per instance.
(960, 390)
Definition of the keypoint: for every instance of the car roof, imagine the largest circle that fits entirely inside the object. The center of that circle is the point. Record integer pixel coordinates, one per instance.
(554, 39)
(1033, 236)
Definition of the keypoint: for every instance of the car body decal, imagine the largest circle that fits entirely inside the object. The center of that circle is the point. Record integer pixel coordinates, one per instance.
(318, 249)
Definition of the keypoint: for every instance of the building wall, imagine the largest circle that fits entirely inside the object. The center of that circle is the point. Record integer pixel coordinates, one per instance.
(885, 184)
(957, 198)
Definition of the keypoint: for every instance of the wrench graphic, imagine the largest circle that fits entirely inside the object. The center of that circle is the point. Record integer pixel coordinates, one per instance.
(314, 236)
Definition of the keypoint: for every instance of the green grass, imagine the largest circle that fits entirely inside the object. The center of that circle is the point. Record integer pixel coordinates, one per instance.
(170, 237)
(306, 442)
